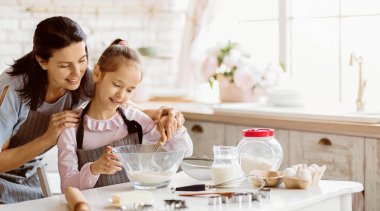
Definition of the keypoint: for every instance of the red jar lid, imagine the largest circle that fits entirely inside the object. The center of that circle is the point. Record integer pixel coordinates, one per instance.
(258, 132)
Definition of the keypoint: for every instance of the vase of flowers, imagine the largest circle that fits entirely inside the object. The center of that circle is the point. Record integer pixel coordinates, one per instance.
(239, 79)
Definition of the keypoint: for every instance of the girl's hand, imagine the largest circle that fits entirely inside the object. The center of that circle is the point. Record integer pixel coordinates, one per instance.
(173, 114)
(166, 128)
(106, 164)
(172, 119)
(58, 122)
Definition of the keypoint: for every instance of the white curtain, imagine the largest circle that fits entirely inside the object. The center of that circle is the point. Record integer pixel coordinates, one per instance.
(199, 17)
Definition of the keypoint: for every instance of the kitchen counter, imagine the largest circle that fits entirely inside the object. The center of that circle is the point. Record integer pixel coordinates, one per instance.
(347, 142)
(333, 121)
(330, 195)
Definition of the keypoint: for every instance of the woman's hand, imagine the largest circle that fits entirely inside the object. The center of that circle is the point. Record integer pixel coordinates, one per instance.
(173, 114)
(107, 163)
(168, 120)
(58, 122)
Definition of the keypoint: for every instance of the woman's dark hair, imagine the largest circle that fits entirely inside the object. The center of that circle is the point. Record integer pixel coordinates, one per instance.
(51, 34)
(115, 55)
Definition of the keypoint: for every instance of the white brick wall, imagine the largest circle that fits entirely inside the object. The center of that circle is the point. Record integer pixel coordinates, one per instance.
(102, 22)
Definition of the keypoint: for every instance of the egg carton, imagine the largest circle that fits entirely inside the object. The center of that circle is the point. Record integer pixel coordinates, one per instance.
(271, 178)
(301, 176)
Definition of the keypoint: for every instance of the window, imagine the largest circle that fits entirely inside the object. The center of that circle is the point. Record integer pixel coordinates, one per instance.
(314, 39)
(254, 24)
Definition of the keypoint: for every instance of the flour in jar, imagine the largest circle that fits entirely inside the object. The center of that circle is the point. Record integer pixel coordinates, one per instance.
(250, 162)
(221, 173)
(153, 177)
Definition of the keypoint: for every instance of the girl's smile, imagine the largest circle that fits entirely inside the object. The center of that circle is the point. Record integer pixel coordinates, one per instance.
(116, 102)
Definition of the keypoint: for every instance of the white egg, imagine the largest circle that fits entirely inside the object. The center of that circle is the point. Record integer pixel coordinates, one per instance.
(289, 172)
(314, 166)
(294, 167)
(312, 170)
(305, 174)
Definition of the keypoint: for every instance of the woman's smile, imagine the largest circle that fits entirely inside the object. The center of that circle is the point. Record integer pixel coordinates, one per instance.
(73, 81)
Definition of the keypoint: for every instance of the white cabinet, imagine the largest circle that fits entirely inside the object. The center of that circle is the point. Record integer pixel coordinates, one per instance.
(342, 155)
(205, 135)
(372, 174)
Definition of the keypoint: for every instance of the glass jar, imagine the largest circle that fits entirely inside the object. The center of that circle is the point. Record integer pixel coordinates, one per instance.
(259, 150)
(226, 165)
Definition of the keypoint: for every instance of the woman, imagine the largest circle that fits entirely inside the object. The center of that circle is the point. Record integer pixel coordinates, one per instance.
(38, 98)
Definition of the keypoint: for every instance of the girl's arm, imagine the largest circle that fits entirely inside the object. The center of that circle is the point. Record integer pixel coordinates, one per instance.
(175, 118)
(180, 138)
(107, 164)
(68, 164)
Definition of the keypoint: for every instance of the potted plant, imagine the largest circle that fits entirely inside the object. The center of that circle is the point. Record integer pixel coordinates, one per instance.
(238, 77)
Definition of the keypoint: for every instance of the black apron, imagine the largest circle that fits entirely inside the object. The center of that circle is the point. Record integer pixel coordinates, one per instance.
(22, 183)
(84, 156)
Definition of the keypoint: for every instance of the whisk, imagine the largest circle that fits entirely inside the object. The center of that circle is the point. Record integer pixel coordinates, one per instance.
(245, 182)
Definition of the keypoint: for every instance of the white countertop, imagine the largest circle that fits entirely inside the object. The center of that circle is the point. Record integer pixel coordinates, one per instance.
(257, 110)
(330, 194)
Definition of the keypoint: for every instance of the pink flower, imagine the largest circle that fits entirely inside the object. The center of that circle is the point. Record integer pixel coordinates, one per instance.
(209, 66)
(232, 59)
(244, 78)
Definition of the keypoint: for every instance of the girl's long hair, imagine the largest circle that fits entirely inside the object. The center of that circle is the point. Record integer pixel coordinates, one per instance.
(51, 34)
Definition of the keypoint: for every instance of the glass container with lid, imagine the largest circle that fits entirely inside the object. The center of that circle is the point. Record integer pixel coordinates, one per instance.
(259, 150)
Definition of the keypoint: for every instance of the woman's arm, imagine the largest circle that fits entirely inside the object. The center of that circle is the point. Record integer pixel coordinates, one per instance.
(12, 114)
(15, 157)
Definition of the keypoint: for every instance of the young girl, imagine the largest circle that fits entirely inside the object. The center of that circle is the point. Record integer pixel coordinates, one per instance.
(84, 153)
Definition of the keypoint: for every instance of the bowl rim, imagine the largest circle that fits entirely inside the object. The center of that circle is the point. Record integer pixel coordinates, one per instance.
(195, 165)
(159, 152)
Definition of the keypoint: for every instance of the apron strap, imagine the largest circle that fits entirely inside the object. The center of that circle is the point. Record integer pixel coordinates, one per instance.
(80, 129)
(132, 125)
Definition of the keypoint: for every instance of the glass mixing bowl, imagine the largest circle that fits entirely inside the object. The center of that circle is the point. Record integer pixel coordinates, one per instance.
(146, 168)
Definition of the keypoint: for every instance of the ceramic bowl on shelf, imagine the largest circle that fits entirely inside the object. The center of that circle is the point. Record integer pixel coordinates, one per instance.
(147, 168)
(197, 167)
(285, 97)
(148, 51)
